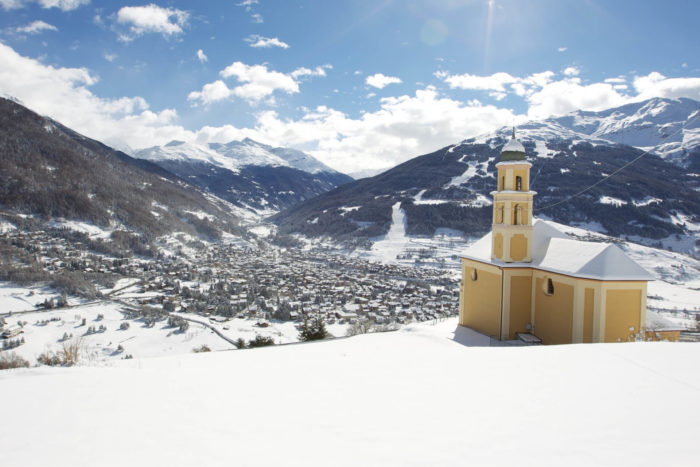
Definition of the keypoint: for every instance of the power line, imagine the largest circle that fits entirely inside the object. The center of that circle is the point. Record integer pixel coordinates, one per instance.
(569, 198)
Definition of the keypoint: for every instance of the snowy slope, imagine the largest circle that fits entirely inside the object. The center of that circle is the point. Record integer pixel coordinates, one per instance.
(414, 397)
(233, 155)
(253, 177)
(669, 128)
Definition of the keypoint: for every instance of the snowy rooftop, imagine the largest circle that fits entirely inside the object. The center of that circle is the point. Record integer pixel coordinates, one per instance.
(554, 251)
(513, 145)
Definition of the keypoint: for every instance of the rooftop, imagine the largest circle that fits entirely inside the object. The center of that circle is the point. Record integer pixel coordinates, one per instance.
(556, 252)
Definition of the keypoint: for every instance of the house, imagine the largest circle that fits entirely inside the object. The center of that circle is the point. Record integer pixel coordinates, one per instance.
(527, 277)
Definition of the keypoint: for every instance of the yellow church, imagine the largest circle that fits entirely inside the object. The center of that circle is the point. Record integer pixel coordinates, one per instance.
(526, 279)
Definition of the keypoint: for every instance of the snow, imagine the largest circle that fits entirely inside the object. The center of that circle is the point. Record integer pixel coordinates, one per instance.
(6, 227)
(386, 248)
(420, 396)
(101, 348)
(418, 199)
(542, 151)
(262, 230)
(465, 177)
(513, 145)
(14, 298)
(646, 201)
(612, 201)
(84, 227)
(234, 155)
(553, 251)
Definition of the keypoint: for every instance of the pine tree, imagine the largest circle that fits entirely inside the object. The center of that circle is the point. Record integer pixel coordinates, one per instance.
(313, 329)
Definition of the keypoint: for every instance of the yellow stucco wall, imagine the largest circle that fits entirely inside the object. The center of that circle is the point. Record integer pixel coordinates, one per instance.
(554, 313)
(498, 245)
(520, 292)
(622, 312)
(481, 298)
(523, 173)
(518, 247)
(588, 309)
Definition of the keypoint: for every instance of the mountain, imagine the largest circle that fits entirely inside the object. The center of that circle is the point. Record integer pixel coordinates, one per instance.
(653, 200)
(248, 174)
(669, 128)
(50, 175)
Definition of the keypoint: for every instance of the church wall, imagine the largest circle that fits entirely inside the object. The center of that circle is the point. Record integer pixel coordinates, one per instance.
(519, 304)
(588, 310)
(518, 247)
(622, 313)
(481, 297)
(553, 314)
(498, 245)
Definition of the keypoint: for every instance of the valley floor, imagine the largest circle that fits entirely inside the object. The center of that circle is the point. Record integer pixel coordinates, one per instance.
(420, 396)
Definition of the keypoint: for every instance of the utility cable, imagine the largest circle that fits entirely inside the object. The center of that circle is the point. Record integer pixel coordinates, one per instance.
(569, 198)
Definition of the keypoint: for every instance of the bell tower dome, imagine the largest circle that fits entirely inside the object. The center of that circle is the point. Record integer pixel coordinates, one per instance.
(512, 206)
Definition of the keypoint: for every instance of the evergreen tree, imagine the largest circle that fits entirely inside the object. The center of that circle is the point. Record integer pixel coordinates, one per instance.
(313, 329)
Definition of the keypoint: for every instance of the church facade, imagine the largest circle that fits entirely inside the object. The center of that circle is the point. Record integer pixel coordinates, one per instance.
(526, 278)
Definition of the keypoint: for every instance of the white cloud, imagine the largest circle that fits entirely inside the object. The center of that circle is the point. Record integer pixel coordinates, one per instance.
(560, 97)
(561, 49)
(64, 94)
(318, 71)
(109, 57)
(36, 27)
(151, 19)
(379, 80)
(63, 5)
(267, 42)
(201, 56)
(657, 85)
(494, 82)
(571, 71)
(403, 127)
(258, 83)
(256, 18)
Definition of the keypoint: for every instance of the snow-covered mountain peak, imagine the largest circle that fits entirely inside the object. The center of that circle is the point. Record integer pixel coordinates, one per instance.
(234, 155)
(667, 127)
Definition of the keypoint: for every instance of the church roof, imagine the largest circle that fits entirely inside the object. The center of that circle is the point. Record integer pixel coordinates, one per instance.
(554, 251)
(513, 145)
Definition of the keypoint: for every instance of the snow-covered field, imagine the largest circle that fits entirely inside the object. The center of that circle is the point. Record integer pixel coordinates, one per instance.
(419, 396)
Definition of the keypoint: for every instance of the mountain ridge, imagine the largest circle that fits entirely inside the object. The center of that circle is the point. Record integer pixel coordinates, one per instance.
(450, 188)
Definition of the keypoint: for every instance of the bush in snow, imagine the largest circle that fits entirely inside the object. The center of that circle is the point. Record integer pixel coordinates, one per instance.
(124, 326)
(261, 341)
(12, 360)
(240, 343)
(202, 348)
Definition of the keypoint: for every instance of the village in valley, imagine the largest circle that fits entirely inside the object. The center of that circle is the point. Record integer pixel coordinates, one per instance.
(213, 296)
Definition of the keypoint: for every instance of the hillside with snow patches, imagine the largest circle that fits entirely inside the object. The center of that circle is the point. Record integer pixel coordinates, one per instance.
(256, 177)
(652, 198)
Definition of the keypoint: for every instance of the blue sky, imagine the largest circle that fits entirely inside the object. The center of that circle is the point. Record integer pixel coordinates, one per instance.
(358, 84)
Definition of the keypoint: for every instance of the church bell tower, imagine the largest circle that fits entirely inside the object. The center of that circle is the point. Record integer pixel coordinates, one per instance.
(512, 206)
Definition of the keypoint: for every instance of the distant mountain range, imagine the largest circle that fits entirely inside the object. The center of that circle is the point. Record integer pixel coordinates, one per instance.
(251, 175)
(49, 175)
(655, 200)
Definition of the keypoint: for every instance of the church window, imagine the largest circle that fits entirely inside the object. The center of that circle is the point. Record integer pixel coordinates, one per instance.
(499, 215)
(549, 287)
(475, 276)
(519, 183)
(516, 212)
